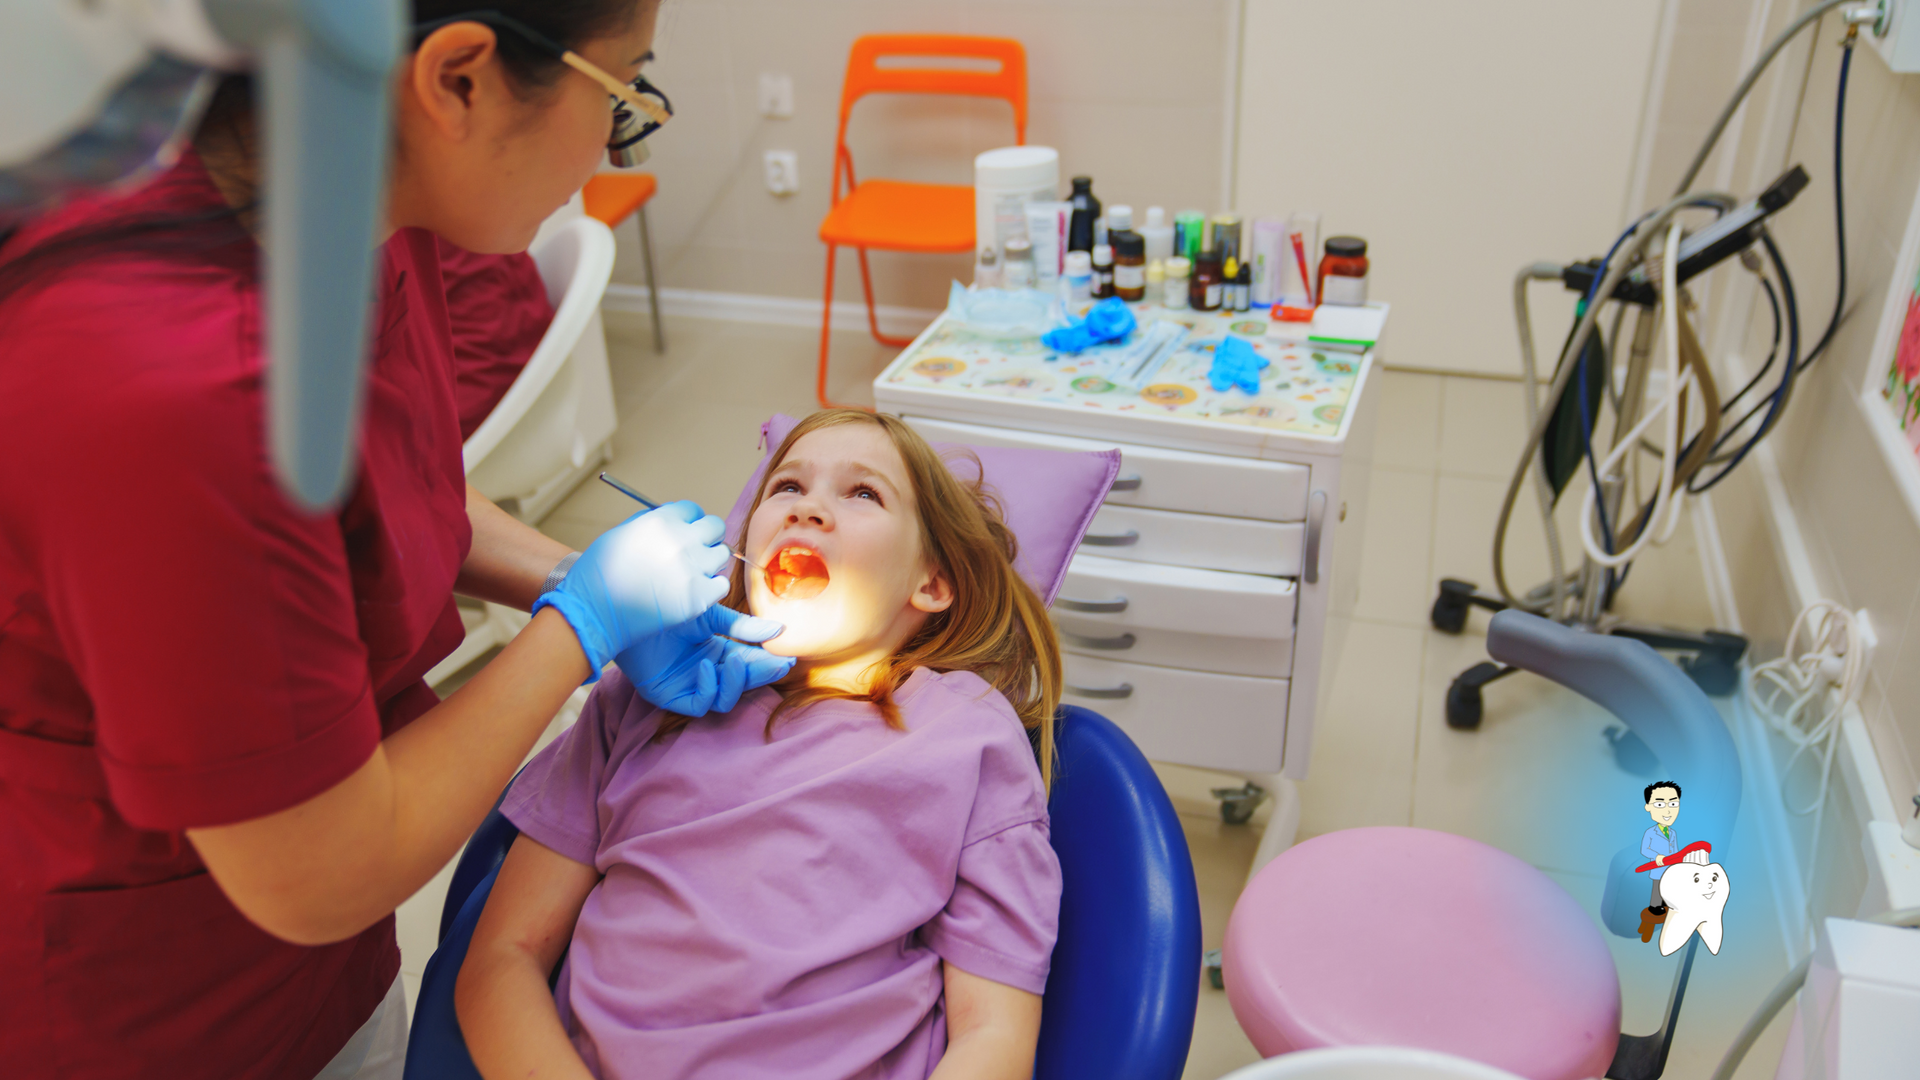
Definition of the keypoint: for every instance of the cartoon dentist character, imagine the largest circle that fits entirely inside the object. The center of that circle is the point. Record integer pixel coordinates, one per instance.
(1689, 891)
(1661, 843)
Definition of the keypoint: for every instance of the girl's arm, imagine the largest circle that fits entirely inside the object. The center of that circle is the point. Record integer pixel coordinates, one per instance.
(992, 1029)
(505, 1007)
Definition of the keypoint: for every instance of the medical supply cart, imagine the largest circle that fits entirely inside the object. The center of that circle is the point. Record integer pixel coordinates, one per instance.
(1205, 609)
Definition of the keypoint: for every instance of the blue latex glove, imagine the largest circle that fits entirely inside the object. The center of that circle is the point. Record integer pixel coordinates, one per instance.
(652, 572)
(694, 669)
(1108, 320)
(1236, 364)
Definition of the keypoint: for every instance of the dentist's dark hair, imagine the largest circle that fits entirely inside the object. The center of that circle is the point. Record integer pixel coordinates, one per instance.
(1647, 796)
(218, 235)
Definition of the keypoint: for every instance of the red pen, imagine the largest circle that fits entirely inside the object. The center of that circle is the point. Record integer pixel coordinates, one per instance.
(1300, 257)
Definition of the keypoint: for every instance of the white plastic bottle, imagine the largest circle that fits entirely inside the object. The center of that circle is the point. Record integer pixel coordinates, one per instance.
(1158, 234)
(1077, 281)
(1004, 182)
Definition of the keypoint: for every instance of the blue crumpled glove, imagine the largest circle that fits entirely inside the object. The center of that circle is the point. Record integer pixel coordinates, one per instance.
(1108, 320)
(1236, 364)
(652, 572)
(695, 668)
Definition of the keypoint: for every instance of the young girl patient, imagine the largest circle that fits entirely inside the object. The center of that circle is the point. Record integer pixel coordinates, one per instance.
(848, 875)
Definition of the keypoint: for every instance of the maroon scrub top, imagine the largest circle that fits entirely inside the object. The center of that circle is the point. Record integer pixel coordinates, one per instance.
(182, 647)
(498, 309)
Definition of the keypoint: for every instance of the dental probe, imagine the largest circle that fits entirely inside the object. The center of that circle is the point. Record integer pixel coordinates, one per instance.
(651, 505)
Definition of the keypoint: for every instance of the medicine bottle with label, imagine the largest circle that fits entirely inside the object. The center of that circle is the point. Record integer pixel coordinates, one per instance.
(1018, 269)
(1176, 291)
(1078, 277)
(1129, 265)
(1343, 271)
(1204, 293)
(1102, 271)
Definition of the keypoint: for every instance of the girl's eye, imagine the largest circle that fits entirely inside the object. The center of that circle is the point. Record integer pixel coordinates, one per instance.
(785, 486)
(863, 491)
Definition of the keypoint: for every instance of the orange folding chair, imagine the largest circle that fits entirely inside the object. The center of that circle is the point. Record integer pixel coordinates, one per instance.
(609, 198)
(894, 215)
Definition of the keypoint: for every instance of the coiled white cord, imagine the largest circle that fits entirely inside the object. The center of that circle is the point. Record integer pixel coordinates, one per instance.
(1666, 502)
(1805, 693)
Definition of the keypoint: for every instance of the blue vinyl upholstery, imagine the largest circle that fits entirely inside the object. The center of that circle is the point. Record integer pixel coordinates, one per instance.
(1126, 971)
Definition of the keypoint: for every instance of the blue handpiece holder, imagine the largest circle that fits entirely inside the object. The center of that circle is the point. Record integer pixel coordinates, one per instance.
(1662, 706)
(326, 66)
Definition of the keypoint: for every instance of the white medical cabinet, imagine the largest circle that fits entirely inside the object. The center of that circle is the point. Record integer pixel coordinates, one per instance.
(1205, 610)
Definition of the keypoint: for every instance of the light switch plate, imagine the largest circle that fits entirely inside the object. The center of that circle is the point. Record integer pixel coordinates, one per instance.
(783, 171)
(776, 95)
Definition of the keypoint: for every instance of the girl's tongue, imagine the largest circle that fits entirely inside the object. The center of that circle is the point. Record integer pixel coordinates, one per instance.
(796, 573)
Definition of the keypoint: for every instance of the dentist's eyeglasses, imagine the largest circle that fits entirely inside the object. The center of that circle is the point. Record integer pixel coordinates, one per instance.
(1666, 804)
(639, 108)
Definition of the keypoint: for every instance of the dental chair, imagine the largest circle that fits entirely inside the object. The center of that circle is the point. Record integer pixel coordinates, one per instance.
(1407, 937)
(1125, 983)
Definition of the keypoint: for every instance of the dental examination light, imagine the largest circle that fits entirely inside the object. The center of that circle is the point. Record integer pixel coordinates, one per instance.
(103, 94)
(1673, 413)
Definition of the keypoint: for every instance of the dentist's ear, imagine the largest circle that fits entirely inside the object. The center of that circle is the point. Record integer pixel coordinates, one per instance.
(933, 594)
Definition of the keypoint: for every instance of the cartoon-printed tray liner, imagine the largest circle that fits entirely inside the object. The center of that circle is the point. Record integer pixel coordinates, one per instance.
(1303, 391)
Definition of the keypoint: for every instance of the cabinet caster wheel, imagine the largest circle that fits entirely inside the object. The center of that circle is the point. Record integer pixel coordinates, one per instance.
(1237, 804)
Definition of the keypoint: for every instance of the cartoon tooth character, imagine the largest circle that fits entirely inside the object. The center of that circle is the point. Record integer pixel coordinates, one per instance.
(1661, 844)
(1695, 892)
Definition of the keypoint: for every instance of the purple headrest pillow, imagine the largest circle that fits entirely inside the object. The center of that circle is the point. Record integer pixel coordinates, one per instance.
(1048, 496)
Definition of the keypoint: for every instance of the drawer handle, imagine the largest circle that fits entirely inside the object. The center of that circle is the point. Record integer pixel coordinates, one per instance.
(1091, 607)
(1124, 641)
(1115, 693)
(1126, 483)
(1316, 524)
(1125, 539)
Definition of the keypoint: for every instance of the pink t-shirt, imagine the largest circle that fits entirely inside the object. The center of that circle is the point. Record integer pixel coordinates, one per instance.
(781, 908)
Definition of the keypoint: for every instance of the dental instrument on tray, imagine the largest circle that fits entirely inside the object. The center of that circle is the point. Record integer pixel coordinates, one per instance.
(651, 505)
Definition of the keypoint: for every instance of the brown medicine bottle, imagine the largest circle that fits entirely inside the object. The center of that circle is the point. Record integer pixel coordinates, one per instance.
(1129, 265)
(1203, 294)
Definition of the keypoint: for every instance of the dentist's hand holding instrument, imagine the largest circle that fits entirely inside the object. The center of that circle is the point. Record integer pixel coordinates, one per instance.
(704, 664)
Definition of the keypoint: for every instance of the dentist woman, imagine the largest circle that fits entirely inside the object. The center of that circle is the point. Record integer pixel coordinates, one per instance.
(220, 771)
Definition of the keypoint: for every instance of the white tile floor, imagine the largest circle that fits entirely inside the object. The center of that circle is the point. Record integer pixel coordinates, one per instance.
(1383, 753)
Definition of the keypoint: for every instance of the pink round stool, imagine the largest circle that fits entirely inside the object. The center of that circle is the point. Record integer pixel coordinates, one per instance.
(1410, 937)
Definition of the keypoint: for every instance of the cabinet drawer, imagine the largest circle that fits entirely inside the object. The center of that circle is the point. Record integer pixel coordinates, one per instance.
(1229, 722)
(1175, 648)
(1163, 479)
(1115, 592)
(1197, 540)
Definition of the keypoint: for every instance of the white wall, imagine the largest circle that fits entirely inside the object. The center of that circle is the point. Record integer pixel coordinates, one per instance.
(1462, 141)
(1130, 91)
(1861, 541)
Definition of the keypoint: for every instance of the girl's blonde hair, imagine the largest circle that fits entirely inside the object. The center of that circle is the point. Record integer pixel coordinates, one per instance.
(996, 627)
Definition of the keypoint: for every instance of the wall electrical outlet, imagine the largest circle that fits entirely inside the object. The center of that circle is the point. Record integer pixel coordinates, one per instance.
(783, 172)
(776, 95)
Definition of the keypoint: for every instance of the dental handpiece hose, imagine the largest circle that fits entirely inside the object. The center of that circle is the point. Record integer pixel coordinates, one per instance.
(630, 493)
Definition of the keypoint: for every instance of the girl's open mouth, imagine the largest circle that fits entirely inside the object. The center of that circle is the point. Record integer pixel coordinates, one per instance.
(796, 573)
